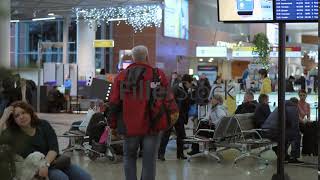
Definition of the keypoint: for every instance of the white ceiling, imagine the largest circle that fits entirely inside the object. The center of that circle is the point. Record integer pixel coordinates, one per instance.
(28, 9)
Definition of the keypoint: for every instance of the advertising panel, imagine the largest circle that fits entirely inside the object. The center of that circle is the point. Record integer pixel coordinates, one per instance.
(176, 19)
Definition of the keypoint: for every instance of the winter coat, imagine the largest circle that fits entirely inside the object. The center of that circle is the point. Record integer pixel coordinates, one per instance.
(292, 120)
(247, 107)
(131, 111)
(217, 113)
(261, 114)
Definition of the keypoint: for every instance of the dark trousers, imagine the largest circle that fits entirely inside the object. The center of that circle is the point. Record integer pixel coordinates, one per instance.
(292, 138)
(181, 134)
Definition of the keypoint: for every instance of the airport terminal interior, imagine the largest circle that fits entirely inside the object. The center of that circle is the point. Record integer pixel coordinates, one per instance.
(243, 75)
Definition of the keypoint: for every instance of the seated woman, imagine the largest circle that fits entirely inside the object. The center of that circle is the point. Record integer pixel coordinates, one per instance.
(218, 111)
(262, 111)
(26, 134)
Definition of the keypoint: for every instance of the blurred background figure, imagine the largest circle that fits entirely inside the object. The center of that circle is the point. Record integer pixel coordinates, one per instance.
(290, 84)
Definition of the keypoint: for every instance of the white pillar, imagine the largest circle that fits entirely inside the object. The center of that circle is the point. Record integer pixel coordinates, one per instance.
(5, 33)
(65, 54)
(85, 49)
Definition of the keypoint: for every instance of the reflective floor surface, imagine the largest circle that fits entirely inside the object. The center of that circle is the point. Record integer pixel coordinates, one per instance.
(173, 169)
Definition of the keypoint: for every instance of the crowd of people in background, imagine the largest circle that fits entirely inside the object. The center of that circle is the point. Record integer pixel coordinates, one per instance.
(21, 123)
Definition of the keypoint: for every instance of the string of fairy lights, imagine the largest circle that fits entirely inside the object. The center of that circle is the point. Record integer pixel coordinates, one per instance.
(138, 16)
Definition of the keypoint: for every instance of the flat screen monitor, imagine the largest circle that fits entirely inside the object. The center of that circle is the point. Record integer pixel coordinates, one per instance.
(245, 10)
(297, 10)
(176, 19)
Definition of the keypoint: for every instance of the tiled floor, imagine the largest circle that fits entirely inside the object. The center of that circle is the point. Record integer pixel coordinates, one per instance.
(172, 169)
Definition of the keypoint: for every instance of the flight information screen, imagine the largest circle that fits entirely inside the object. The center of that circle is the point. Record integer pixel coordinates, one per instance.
(297, 10)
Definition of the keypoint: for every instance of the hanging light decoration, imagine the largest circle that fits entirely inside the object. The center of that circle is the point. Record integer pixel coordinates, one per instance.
(138, 16)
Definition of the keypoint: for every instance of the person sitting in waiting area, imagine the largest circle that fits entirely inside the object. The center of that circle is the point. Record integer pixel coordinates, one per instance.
(262, 111)
(290, 84)
(26, 134)
(55, 100)
(248, 105)
(218, 111)
(293, 136)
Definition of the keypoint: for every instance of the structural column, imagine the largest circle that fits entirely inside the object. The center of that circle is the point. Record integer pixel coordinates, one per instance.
(85, 49)
(65, 55)
(5, 33)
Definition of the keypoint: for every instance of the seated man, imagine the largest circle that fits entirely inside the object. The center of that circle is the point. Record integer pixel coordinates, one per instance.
(218, 111)
(248, 105)
(55, 100)
(293, 136)
(262, 111)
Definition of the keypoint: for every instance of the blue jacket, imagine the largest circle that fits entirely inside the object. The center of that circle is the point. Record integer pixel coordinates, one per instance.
(292, 120)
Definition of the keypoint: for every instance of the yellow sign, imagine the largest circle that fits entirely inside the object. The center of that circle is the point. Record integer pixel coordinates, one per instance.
(103, 43)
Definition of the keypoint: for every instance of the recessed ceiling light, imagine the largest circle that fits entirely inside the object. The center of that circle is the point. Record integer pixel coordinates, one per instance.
(201, 60)
(51, 14)
(43, 19)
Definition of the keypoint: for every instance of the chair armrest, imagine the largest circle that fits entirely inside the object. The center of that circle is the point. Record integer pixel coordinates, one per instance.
(203, 130)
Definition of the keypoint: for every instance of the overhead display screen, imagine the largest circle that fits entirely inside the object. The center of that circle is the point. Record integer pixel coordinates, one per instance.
(245, 10)
(297, 10)
(268, 11)
(176, 19)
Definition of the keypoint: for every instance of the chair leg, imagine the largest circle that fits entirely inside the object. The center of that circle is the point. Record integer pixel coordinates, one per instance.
(245, 155)
(263, 151)
(259, 158)
(196, 155)
(216, 156)
(242, 156)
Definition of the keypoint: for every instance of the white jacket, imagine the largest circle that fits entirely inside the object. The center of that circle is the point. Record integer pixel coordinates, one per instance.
(217, 113)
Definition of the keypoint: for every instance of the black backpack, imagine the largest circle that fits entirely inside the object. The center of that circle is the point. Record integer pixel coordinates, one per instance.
(132, 83)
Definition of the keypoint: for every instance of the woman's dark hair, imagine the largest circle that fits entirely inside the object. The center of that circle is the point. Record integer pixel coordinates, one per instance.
(11, 124)
(262, 98)
(263, 72)
(302, 91)
(187, 78)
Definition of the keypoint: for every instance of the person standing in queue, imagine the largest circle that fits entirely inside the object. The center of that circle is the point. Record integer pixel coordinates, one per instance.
(182, 94)
(266, 82)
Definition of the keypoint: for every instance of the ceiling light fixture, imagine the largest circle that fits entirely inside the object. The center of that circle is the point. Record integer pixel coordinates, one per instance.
(51, 14)
(138, 16)
(43, 19)
(14, 21)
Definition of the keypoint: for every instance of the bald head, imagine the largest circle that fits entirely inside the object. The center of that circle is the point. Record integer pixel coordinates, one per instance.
(140, 53)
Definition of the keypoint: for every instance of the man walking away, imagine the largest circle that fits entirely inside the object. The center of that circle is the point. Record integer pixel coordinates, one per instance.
(129, 103)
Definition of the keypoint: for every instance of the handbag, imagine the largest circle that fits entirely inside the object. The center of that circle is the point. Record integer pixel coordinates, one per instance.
(61, 162)
(104, 136)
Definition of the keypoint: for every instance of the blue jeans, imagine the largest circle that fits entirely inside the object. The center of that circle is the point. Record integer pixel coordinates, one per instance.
(72, 173)
(295, 142)
(150, 151)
